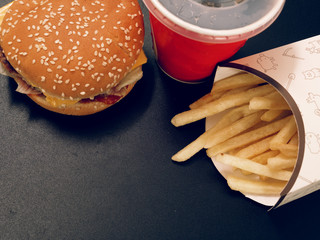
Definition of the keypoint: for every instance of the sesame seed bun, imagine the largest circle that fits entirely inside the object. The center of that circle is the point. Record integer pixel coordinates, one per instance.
(73, 50)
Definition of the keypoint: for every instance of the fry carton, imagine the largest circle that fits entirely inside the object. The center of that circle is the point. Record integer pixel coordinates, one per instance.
(294, 70)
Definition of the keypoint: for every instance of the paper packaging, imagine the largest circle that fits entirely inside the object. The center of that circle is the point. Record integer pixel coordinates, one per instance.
(294, 69)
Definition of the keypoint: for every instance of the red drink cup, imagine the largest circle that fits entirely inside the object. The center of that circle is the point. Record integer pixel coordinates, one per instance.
(191, 36)
(186, 59)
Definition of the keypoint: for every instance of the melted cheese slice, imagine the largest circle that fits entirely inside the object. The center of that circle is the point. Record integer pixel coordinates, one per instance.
(142, 59)
(56, 102)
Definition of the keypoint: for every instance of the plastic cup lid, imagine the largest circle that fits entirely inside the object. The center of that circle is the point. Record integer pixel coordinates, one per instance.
(216, 20)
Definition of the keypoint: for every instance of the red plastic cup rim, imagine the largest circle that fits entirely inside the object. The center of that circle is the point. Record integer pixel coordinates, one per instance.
(210, 35)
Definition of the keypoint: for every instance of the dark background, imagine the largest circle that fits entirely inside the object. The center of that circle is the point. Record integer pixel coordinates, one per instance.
(110, 175)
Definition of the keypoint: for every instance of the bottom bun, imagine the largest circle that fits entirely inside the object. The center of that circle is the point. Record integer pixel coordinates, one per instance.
(80, 108)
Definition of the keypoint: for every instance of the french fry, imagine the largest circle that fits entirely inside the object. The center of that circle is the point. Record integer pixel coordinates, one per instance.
(274, 95)
(256, 152)
(195, 146)
(294, 140)
(191, 149)
(237, 127)
(285, 134)
(236, 90)
(250, 166)
(255, 149)
(263, 178)
(205, 99)
(263, 157)
(210, 97)
(289, 150)
(281, 162)
(248, 137)
(250, 186)
(219, 105)
(236, 81)
(268, 103)
(232, 116)
(270, 115)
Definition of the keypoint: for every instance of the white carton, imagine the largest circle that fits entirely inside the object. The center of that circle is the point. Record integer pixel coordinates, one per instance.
(294, 69)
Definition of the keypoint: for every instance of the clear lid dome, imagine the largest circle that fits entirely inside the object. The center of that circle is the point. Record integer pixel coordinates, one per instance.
(220, 19)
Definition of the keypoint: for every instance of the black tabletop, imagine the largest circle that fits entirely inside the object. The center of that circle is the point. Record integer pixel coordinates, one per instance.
(110, 175)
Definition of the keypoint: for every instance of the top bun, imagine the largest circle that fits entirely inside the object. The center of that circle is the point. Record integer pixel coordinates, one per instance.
(72, 49)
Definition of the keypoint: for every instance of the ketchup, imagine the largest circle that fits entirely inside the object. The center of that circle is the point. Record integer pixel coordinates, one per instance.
(108, 100)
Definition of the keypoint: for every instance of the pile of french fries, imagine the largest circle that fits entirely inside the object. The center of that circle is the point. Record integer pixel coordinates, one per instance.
(256, 136)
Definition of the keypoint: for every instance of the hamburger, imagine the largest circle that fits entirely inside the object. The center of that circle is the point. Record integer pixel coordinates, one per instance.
(73, 57)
